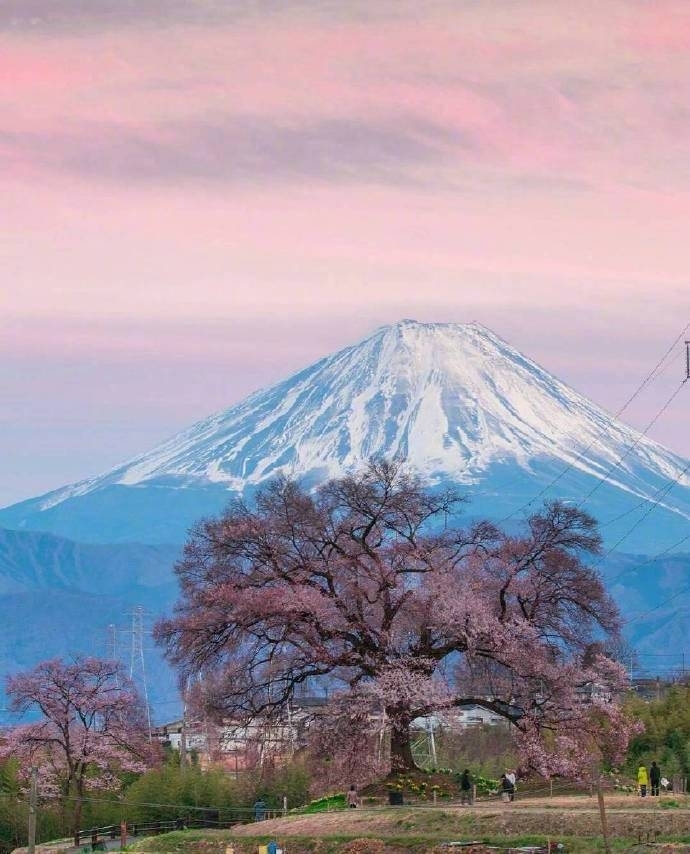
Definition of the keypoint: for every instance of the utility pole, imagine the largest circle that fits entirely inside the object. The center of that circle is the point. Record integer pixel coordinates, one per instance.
(183, 726)
(602, 815)
(33, 804)
(687, 360)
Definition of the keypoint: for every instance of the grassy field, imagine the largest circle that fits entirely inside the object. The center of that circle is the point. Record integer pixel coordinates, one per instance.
(573, 821)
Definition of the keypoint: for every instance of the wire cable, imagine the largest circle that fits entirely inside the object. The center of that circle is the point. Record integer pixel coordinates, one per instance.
(645, 613)
(661, 492)
(632, 447)
(656, 371)
(650, 560)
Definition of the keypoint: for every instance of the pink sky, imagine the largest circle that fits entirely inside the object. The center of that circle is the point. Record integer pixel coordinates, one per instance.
(201, 197)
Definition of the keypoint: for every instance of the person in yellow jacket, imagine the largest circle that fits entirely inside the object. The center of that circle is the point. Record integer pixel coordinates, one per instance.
(642, 780)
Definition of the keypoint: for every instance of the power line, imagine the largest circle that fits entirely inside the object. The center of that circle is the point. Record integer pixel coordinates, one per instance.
(647, 512)
(652, 559)
(648, 611)
(655, 372)
(632, 447)
(661, 492)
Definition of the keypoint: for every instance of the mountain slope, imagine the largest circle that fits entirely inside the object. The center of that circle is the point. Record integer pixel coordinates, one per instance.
(457, 402)
(58, 598)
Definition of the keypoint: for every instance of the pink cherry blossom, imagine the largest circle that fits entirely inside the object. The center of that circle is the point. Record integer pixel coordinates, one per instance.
(91, 728)
(362, 587)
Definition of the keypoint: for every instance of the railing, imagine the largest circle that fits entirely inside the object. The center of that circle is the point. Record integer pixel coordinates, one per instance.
(96, 837)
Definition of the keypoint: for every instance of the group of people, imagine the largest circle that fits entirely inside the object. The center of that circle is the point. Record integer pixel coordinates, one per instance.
(651, 779)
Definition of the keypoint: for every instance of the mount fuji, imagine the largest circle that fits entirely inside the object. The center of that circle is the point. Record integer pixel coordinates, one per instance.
(455, 401)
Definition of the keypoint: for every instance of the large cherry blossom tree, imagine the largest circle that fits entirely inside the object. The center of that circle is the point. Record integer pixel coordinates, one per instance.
(91, 728)
(363, 584)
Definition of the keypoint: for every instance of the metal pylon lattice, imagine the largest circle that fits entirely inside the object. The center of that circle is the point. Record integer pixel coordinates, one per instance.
(423, 744)
(137, 662)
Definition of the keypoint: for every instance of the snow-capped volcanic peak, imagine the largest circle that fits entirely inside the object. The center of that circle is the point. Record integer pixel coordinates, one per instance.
(452, 399)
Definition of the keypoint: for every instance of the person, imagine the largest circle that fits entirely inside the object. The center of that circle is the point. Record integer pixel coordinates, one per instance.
(642, 780)
(259, 810)
(352, 798)
(507, 788)
(466, 787)
(654, 779)
(511, 778)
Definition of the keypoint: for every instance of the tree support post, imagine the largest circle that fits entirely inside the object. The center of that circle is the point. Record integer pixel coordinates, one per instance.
(602, 814)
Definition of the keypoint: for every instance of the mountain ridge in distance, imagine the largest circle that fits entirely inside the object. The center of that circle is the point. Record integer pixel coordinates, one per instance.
(455, 401)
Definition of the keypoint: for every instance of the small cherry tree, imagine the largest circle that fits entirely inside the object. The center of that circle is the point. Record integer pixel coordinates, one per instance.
(363, 583)
(92, 727)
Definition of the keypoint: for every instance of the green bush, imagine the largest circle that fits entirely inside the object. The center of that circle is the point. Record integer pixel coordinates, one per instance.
(666, 735)
(171, 792)
(328, 802)
(291, 781)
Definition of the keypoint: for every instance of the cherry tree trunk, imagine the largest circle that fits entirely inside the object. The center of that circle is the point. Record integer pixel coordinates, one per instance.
(76, 818)
(401, 747)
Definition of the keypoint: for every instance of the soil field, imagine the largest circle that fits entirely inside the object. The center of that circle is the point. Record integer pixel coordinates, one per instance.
(634, 824)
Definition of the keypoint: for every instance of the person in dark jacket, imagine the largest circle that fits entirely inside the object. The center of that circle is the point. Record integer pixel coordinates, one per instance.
(466, 787)
(654, 778)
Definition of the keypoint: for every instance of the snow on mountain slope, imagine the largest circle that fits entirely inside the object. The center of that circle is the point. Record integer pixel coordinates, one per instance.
(454, 400)
(450, 398)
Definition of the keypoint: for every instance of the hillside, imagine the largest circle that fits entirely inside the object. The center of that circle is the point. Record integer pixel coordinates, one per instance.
(58, 598)
(572, 820)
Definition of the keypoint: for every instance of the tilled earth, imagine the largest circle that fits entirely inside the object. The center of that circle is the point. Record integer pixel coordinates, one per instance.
(423, 829)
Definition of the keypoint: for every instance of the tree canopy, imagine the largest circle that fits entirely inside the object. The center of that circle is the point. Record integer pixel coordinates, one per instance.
(92, 727)
(363, 584)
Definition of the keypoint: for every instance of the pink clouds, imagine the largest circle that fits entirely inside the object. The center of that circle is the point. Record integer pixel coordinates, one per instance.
(379, 160)
(661, 28)
(530, 92)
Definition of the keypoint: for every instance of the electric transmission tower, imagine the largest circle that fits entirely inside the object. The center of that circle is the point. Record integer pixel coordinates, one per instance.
(137, 663)
(424, 743)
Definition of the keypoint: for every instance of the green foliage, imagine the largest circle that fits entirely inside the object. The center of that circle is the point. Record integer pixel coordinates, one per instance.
(171, 792)
(291, 781)
(415, 786)
(666, 735)
(485, 749)
(14, 812)
(328, 802)
(485, 785)
(162, 794)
